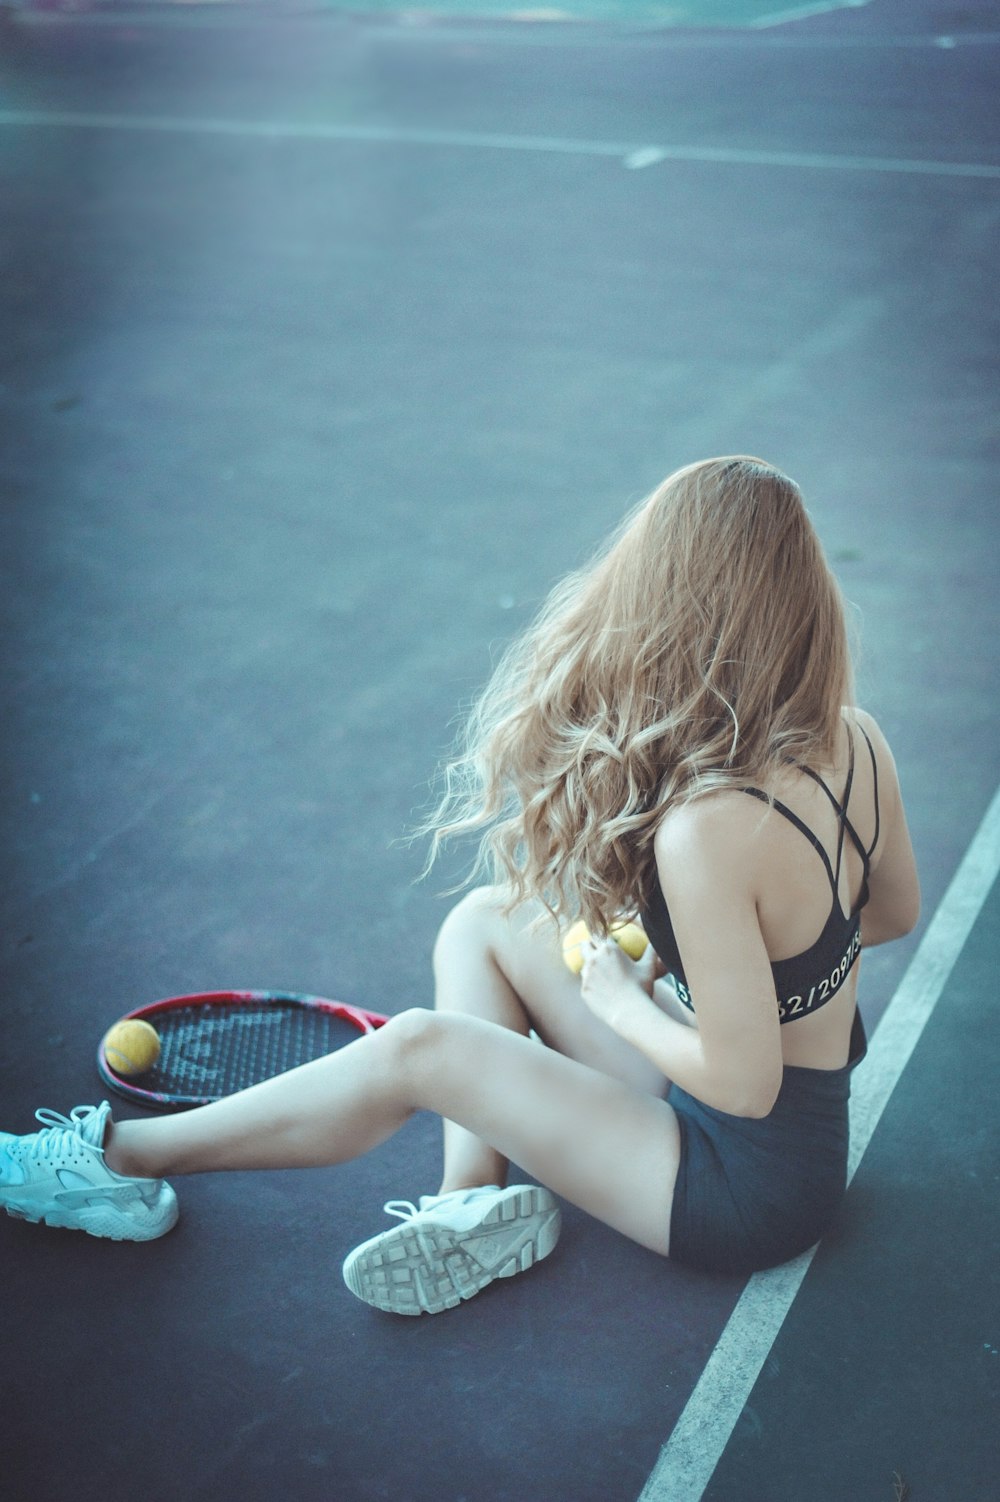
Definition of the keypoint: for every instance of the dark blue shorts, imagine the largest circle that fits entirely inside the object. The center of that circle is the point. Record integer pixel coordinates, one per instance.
(753, 1193)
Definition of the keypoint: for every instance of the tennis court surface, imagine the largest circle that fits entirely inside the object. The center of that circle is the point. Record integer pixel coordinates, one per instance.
(331, 338)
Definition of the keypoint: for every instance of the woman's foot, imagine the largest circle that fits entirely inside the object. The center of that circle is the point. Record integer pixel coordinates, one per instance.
(451, 1246)
(59, 1176)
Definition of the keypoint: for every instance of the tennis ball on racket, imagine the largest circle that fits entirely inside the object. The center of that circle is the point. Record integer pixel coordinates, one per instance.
(629, 936)
(131, 1046)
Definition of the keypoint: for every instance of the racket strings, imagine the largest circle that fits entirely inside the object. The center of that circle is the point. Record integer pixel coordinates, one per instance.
(209, 1051)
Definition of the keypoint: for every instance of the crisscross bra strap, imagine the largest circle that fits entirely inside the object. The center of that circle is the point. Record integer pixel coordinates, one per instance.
(841, 810)
(846, 827)
(793, 818)
(871, 753)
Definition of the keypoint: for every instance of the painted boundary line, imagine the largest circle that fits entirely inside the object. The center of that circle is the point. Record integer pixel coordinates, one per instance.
(766, 32)
(631, 154)
(692, 1452)
(781, 14)
(163, 15)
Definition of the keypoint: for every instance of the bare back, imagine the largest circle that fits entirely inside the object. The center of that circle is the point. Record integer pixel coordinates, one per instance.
(793, 897)
(789, 880)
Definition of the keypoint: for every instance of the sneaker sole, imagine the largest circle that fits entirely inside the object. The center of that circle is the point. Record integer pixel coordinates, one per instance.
(427, 1269)
(106, 1220)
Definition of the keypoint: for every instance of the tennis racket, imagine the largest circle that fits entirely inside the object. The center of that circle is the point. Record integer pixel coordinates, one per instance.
(217, 1042)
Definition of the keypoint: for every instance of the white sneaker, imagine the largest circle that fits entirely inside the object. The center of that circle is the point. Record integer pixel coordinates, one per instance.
(450, 1247)
(59, 1176)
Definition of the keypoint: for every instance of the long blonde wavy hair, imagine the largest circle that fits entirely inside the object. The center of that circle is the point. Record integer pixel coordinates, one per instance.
(703, 647)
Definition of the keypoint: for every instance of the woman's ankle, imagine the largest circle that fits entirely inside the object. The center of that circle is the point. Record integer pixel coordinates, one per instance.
(460, 1186)
(116, 1153)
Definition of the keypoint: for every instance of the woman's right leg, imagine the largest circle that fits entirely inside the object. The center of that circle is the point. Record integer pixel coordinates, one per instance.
(610, 1149)
(506, 969)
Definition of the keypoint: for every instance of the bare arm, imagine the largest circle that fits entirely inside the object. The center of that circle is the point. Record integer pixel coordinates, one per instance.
(894, 904)
(706, 860)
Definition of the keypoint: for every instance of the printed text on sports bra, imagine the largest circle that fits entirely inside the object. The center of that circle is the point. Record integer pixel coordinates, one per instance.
(790, 1007)
(824, 989)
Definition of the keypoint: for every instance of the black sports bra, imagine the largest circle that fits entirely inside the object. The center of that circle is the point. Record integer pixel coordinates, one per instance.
(804, 982)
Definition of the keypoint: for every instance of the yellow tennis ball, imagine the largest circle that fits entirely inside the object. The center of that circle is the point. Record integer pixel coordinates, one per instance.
(628, 935)
(573, 941)
(631, 938)
(131, 1046)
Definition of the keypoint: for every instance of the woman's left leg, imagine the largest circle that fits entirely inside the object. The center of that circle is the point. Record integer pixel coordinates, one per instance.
(605, 1146)
(506, 968)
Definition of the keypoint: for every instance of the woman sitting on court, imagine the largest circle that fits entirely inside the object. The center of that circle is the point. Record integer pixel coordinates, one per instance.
(668, 740)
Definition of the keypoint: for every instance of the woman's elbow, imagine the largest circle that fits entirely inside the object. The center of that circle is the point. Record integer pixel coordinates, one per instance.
(753, 1099)
(757, 1105)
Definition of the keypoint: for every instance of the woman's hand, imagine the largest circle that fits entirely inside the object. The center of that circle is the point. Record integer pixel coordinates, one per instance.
(612, 985)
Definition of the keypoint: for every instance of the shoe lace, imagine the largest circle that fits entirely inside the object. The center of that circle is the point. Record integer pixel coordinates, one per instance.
(60, 1133)
(402, 1209)
(406, 1210)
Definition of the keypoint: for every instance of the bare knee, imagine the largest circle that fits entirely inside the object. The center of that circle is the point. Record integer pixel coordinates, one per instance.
(407, 1030)
(430, 1051)
(471, 924)
(413, 1038)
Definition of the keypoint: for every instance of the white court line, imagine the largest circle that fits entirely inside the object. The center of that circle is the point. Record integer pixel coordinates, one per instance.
(395, 135)
(692, 1452)
(765, 32)
(803, 12)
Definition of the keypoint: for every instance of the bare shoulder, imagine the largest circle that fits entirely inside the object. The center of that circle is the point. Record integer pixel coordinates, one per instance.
(884, 761)
(868, 723)
(894, 903)
(716, 835)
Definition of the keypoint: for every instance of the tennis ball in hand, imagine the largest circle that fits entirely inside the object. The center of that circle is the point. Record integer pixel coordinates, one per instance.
(629, 936)
(132, 1046)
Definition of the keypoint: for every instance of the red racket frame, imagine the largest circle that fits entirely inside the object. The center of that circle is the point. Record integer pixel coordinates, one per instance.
(363, 1020)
